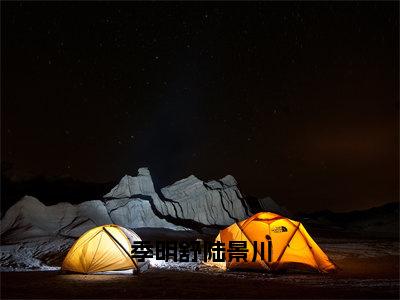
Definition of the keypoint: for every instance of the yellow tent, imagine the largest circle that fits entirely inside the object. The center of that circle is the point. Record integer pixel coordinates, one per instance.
(281, 244)
(104, 248)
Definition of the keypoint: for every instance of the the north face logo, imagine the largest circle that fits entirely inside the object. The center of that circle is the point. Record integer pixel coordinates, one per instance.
(279, 229)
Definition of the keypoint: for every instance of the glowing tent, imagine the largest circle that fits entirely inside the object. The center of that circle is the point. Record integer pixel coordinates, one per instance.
(104, 248)
(281, 244)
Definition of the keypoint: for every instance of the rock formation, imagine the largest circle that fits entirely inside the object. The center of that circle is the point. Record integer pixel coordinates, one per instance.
(186, 208)
(268, 204)
(189, 202)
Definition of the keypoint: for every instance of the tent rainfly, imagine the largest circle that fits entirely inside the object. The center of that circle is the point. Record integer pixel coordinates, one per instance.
(286, 245)
(103, 248)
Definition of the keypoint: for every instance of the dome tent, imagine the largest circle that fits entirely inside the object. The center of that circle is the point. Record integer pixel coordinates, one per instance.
(286, 245)
(103, 248)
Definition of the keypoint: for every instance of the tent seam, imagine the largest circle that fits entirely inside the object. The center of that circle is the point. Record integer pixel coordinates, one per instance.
(95, 253)
(312, 252)
(82, 243)
(287, 244)
(120, 246)
(253, 246)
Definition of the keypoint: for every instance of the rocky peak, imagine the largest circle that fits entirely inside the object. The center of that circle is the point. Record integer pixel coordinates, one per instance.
(130, 186)
(188, 202)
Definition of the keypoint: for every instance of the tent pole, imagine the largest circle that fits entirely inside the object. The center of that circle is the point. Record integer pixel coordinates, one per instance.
(248, 238)
(287, 244)
(119, 244)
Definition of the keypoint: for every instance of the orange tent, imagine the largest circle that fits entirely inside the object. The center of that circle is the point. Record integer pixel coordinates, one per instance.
(273, 243)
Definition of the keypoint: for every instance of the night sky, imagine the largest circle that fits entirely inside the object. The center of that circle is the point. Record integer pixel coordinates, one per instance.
(297, 102)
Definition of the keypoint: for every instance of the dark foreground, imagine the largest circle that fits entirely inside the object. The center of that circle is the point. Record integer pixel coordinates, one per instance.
(368, 269)
(158, 283)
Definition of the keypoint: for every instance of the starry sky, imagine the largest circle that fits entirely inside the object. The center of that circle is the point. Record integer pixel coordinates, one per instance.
(297, 101)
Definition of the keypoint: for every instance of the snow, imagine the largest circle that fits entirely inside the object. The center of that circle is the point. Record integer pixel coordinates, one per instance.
(171, 265)
(42, 254)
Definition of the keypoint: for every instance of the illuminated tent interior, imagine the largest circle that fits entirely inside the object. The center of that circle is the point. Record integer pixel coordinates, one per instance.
(286, 245)
(104, 248)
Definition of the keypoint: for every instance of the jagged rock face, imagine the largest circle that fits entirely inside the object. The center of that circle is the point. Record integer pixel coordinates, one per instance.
(210, 203)
(188, 204)
(190, 201)
(137, 213)
(30, 219)
(130, 186)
